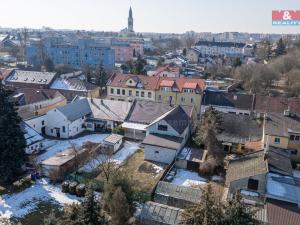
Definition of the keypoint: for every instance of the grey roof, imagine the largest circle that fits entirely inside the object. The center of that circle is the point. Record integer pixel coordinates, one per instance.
(164, 141)
(113, 138)
(279, 161)
(240, 128)
(238, 101)
(76, 109)
(146, 112)
(31, 77)
(31, 136)
(246, 166)
(72, 84)
(105, 109)
(159, 214)
(192, 195)
(280, 125)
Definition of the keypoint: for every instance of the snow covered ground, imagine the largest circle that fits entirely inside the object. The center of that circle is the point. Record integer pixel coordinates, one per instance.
(129, 149)
(188, 178)
(52, 147)
(20, 204)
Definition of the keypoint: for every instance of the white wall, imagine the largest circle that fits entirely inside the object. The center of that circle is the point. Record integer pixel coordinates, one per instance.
(36, 147)
(226, 109)
(37, 123)
(154, 129)
(55, 119)
(159, 154)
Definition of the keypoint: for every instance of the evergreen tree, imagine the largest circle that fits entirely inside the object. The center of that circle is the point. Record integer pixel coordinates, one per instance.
(207, 135)
(101, 76)
(237, 62)
(51, 220)
(139, 66)
(71, 215)
(90, 210)
(237, 213)
(119, 208)
(12, 141)
(208, 212)
(49, 65)
(280, 50)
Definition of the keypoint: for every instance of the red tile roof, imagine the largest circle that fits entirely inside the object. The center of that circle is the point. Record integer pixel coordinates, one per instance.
(167, 83)
(184, 82)
(277, 104)
(280, 213)
(119, 80)
(167, 68)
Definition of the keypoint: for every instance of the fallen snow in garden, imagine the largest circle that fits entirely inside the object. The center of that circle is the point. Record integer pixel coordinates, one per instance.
(129, 149)
(158, 168)
(188, 178)
(296, 173)
(53, 147)
(20, 204)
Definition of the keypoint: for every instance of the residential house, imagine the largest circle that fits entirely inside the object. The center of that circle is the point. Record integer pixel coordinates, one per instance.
(144, 113)
(193, 55)
(239, 133)
(230, 49)
(30, 79)
(69, 120)
(86, 114)
(167, 71)
(72, 87)
(228, 102)
(106, 114)
(37, 102)
(180, 91)
(159, 214)
(177, 196)
(123, 51)
(166, 136)
(283, 131)
(77, 53)
(129, 87)
(4, 72)
(32, 138)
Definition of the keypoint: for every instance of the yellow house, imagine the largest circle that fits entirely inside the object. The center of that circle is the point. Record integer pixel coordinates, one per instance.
(127, 87)
(283, 131)
(180, 91)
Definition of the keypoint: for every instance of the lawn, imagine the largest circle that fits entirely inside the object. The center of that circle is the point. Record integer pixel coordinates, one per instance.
(144, 174)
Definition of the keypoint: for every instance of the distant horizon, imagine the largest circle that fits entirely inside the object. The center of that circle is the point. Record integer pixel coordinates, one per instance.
(155, 16)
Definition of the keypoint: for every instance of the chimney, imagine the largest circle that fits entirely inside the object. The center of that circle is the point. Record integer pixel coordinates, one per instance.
(287, 112)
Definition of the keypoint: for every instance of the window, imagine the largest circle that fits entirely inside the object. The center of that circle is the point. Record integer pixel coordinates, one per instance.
(159, 98)
(142, 94)
(112, 91)
(192, 100)
(149, 95)
(294, 152)
(51, 131)
(182, 99)
(252, 184)
(277, 140)
(64, 129)
(130, 92)
(292, 137)
(118, 91)
(43, 122)
(123, 92)
(137, 93)
(156, 152)
(297, 138)
(162, 127)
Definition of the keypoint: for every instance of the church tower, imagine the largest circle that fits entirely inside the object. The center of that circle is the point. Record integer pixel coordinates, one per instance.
(130, 21)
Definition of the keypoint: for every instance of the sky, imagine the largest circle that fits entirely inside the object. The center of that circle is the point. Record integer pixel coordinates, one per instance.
(165, 16)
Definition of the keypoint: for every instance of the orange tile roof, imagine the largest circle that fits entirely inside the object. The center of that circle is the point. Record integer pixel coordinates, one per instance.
(184, 82)
(167, 83)
(119, 80)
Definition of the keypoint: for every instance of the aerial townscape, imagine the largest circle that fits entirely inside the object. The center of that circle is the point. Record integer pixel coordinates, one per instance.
(144, 128)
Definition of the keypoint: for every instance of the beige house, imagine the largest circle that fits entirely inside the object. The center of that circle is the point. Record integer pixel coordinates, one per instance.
(127, 87)
(181, 91)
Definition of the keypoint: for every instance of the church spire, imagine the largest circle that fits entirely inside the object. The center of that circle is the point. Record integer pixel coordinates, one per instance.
(130, 21)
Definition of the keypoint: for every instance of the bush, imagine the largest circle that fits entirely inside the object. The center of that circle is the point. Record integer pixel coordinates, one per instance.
(97, 185)
(80, 190)
(72, 187)
(65, 186)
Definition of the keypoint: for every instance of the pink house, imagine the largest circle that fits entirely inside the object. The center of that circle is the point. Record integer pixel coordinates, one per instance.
(167, 71)
(123, 52)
